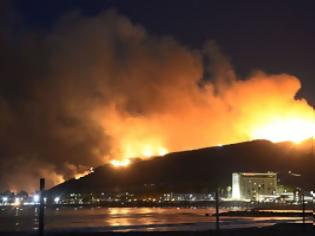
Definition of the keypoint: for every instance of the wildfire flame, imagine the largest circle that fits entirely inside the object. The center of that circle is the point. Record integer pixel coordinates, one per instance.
(187, 117)
(135, 96)
(84, 173)
(294, 124)
(120, 163)
(147, 152)
(295, 130)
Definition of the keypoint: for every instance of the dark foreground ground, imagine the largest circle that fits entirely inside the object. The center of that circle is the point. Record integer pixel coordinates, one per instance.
(277, 230)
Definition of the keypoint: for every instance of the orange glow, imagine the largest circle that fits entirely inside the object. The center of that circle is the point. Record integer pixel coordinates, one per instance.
(150, 151)
(147, 152)
(162, 151)
(144, 151)
(261, 107)
(295, 130)
(120, 163)
(84, 173)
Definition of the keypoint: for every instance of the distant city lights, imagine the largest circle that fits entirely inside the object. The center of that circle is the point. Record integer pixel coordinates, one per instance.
(56, 200)
(17, 201)
(36, 198)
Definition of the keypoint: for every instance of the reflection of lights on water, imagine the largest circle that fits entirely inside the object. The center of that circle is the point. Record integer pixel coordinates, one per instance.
(119, 211)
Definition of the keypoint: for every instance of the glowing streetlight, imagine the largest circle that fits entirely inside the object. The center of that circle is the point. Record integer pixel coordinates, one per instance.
(17, 201)
(36, 198)
(56, 200)
(5, 199)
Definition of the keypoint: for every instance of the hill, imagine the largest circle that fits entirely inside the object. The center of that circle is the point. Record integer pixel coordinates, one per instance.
(202, 169)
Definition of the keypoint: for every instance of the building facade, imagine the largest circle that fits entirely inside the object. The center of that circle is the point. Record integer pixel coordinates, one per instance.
(253, 186)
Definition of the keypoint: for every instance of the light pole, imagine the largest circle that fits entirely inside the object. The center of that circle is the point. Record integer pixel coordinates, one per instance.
(313, 158)
(41, 224)
(217, 209)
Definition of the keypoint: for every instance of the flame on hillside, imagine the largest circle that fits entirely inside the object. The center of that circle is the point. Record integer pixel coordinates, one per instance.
(101, 89)
(262, 107)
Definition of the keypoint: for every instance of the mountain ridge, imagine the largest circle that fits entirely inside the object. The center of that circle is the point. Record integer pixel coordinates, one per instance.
(202, 169)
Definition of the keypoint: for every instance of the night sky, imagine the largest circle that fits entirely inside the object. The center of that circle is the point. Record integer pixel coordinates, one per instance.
(274, 36)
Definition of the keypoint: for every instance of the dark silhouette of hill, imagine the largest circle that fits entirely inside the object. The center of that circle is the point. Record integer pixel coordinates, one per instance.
(202, 169)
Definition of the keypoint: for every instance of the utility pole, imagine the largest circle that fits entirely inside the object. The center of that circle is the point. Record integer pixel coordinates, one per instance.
(303, 208)
(217, 212)
(313, 155)
(41, 207)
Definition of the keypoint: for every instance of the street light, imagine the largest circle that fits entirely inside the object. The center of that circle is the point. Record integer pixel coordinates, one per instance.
(5, 199)
(36, 198)
(56, 200)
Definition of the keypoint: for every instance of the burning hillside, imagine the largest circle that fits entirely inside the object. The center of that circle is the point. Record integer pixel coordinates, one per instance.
(107, 91)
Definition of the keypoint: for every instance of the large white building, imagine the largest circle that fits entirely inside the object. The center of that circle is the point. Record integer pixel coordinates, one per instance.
(253, 186)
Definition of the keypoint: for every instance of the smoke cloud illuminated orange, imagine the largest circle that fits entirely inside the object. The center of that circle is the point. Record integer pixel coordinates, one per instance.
(295, 129)
(261, 107)
(112, 92)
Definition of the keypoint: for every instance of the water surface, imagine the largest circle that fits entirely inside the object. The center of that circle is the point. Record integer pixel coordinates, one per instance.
(126, 219)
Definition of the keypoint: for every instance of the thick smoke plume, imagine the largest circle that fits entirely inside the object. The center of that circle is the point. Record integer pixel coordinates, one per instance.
(95, 89)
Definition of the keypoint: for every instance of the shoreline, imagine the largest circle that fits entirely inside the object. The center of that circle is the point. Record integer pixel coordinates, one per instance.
(266, 213)
(204, 204)
(280, 229)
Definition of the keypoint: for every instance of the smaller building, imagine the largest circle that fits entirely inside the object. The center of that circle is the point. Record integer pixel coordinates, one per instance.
(253, 186)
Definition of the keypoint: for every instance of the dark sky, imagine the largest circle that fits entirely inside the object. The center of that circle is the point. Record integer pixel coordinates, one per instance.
(274, 36)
